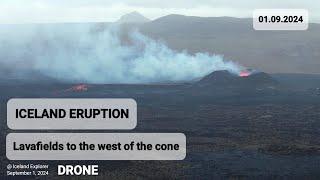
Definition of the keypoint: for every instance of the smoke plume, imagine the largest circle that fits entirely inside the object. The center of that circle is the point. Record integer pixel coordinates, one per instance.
(77, 53)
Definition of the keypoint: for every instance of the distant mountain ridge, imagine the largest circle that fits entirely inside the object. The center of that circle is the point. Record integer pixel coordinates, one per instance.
(133, 17)
(235, 38)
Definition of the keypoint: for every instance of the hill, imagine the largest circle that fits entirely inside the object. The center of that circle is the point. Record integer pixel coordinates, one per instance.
(268, 51)
(225, 79)
(133, 17)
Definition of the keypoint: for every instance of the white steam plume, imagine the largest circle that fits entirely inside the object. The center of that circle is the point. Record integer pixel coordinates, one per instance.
(76, 53)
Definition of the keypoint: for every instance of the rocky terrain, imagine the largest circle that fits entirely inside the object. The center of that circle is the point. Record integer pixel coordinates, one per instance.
(255, 127)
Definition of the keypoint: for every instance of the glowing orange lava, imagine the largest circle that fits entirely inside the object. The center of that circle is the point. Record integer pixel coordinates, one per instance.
(75, 88)
(244, 74)
(80, 87)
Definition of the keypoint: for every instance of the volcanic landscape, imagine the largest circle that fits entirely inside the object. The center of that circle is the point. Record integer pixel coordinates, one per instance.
(253, 126)
(243, 125)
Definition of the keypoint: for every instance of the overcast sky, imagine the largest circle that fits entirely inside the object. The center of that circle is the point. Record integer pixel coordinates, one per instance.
(44, 11)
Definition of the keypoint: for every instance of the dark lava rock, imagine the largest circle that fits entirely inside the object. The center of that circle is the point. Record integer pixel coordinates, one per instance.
(290, 150)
